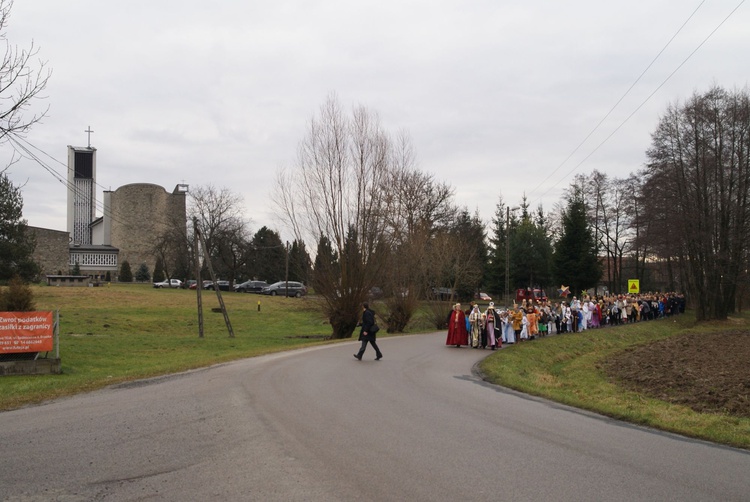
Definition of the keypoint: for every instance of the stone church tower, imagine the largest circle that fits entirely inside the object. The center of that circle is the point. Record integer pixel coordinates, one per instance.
(139, 214)
(133, 218)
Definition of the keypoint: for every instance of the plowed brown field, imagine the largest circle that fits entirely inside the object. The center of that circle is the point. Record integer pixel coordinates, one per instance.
(708, 373)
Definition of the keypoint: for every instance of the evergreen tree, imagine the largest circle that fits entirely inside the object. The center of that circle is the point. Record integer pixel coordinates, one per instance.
(142, 274)
(76, 270)
(126, 275)
(495, 274)
(299, 263)
(468, 230)
(532, 254)
(108, 277)
(326, 262)
(16, 242)
(268, 256)
(159, 271)
(576, 261)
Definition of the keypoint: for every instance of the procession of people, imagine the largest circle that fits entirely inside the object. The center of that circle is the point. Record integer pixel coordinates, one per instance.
(534, 319)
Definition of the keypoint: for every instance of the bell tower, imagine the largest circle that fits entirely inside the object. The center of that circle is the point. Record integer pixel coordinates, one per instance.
(81, 193)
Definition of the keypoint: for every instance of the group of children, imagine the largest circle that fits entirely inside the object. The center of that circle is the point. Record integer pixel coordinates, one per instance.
(494, 327)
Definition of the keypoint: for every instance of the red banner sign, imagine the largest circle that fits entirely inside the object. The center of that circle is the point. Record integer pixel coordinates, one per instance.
(26, 332)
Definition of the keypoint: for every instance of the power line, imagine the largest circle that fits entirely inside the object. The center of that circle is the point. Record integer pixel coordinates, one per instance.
(26, 152)
(639, 106)
(114, 216)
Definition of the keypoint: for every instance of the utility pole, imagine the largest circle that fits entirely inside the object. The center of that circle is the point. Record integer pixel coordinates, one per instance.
(286, 272)
(508, 209)
(216, 283)
(507, 254)
(199, 284)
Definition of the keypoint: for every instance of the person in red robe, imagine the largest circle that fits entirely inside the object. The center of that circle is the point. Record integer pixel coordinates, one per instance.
(457, 334)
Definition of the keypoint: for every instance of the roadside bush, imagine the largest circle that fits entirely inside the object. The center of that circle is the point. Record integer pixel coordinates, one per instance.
(16, 297)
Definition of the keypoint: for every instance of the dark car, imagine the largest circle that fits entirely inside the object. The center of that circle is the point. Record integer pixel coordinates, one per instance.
(223, 285)
(250, 287)
(296, 289)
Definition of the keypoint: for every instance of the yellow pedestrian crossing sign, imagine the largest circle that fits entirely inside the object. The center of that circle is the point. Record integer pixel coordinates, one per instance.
(634, 286)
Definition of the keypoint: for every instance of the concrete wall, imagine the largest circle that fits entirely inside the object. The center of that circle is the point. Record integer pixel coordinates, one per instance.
(51, 251)
(35, 367)
(141, 212)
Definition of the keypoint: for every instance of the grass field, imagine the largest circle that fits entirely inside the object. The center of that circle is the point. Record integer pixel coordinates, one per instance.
(571, 369)
(117, 333)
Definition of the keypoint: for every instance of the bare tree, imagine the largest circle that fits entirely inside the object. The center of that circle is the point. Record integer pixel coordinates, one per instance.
(606, 200)
(338, 190)
(454, 261)
(219, 213)
(232, 248)
(698, 182)
(639, 225)
(170, 248)
(418, 208)
(22, 79)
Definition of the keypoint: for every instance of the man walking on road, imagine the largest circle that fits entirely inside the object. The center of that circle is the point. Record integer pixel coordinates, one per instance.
(367, 334)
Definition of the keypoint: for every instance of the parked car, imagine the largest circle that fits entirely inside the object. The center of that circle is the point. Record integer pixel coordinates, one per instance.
(483, 296)
(250, 287)
(296, 289)
(190, 284)
(168, 283)
(223, 285)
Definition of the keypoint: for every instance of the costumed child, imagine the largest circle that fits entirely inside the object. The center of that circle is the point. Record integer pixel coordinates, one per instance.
(492, 327)
(456, 327)
(475, 320)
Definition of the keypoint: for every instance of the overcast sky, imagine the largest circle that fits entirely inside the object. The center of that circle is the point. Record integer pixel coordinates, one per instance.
(495, 94)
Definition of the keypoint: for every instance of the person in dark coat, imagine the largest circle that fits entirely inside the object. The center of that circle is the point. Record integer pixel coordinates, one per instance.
(367, 333)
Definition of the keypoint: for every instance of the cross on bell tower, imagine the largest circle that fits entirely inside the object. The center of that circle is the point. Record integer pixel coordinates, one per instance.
(89, 131)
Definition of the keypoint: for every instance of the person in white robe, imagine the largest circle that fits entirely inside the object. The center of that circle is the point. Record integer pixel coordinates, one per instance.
(524, 328)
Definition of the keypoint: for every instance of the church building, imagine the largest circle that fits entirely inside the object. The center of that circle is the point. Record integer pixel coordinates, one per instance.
(133, 218)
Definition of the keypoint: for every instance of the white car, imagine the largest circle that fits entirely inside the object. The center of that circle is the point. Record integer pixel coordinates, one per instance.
(169, 283)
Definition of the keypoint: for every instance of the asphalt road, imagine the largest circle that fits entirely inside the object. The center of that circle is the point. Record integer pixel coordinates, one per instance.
(318, 425)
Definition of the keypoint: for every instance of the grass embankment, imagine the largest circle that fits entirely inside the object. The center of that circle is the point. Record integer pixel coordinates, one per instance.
(118, 333)
(571, 369)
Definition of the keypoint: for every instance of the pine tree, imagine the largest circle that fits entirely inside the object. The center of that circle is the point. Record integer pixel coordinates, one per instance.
(532, 253)
(16, 242)
(268, 256)
(495, 274)
(159, 271)
(126, 275)
(142, 274)
(326, 263)
(299, 263)
(576, 261)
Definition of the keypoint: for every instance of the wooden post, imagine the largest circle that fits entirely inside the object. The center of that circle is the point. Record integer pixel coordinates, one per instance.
(199, 284)
(213, 278)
